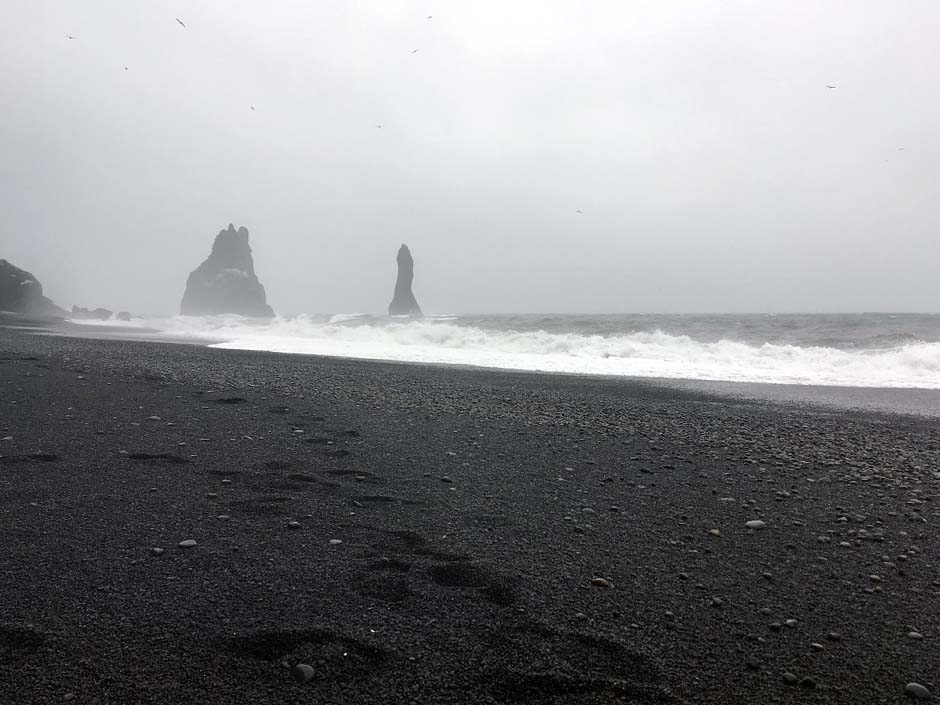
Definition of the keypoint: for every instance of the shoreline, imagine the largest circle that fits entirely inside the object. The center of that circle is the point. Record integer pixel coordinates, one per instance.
(504, 537)
(915, 401)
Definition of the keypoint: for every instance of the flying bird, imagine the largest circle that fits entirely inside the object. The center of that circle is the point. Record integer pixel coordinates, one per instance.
(69, 36)
(580, 211)
(828, 86)
(252, 107)
(180, 21)
(379, 126)
(125, 68)
(414, 51)
(430, 16)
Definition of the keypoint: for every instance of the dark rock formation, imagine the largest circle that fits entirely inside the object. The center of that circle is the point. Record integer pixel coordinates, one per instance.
(404, 303)
(99, 314)
(226, 282)
(21, 292)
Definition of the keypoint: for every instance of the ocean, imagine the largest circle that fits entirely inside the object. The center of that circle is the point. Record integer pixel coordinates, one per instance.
(847, 350)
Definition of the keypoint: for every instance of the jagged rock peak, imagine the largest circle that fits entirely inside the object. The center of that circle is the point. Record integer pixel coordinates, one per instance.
(226, 281)
(404, 302)
(21, 292)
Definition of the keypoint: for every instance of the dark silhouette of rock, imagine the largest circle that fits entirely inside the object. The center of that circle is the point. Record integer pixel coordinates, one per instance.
(21, 292)
(404, 303)
(226, 281)
(99, 314)
(123, 316)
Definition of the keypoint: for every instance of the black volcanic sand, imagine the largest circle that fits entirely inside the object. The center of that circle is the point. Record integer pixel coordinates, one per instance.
(476, 512)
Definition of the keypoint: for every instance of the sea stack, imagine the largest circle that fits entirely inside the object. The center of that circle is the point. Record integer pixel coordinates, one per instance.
(226, 281)
(21, 292)
(404, 303)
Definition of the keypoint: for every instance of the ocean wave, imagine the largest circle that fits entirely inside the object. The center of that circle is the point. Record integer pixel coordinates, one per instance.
(634, 354)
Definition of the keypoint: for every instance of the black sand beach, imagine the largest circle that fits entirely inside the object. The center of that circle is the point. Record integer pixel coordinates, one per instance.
(502, 537)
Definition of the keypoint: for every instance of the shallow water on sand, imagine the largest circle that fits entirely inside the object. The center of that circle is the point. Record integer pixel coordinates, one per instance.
(850, 350)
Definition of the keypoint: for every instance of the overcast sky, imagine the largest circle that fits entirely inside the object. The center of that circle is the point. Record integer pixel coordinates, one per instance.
(714, 168)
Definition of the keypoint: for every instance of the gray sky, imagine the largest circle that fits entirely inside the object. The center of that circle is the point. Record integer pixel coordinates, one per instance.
(714, 168)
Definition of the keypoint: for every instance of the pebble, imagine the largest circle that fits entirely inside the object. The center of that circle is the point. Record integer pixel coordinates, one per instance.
(755, 524)
(791, 623)
(834, 636)
(68, 696)
(717, 602)
(6, 438)
(293, 524)
(916, 691)
(335, 542)
(789, 678)
(302, 672)
(445, 478)
(714, 532)
(808, 682)
(188, 543)
(752, 664)
(601, 582)
(157, 551)
(915, 635)
(223, 517)
(817, 646)
(226, 482)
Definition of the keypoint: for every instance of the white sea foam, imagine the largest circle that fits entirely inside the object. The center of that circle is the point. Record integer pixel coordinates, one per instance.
(639, 354)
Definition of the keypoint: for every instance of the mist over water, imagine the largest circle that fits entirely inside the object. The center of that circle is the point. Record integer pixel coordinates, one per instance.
(863, 350)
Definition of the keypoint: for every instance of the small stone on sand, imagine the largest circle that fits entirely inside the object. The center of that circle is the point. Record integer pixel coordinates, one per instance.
(188, 543)
(302, 672)
(293, 524)
(335, 542)
(755, 524)
(157, 551)
(916, 691)
(601, 582)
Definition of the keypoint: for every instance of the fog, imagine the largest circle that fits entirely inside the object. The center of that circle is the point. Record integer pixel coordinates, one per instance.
(713, 168)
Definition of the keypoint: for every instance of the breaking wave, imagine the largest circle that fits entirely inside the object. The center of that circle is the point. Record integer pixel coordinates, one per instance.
(651, 353)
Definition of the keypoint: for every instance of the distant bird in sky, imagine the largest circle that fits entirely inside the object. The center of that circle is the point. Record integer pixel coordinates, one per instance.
(430, 16)
(379, 126)
(180, 21)
(69, 36)
(125, 68)
(828, 86)
(414, 51)
(252, 107)
(580, 211)
(900, 149)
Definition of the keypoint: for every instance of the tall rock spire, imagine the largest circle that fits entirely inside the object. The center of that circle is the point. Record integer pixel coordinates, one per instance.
(226, 281)
(404, 303)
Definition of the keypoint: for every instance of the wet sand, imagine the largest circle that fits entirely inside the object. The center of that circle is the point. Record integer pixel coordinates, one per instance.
(502, 537)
